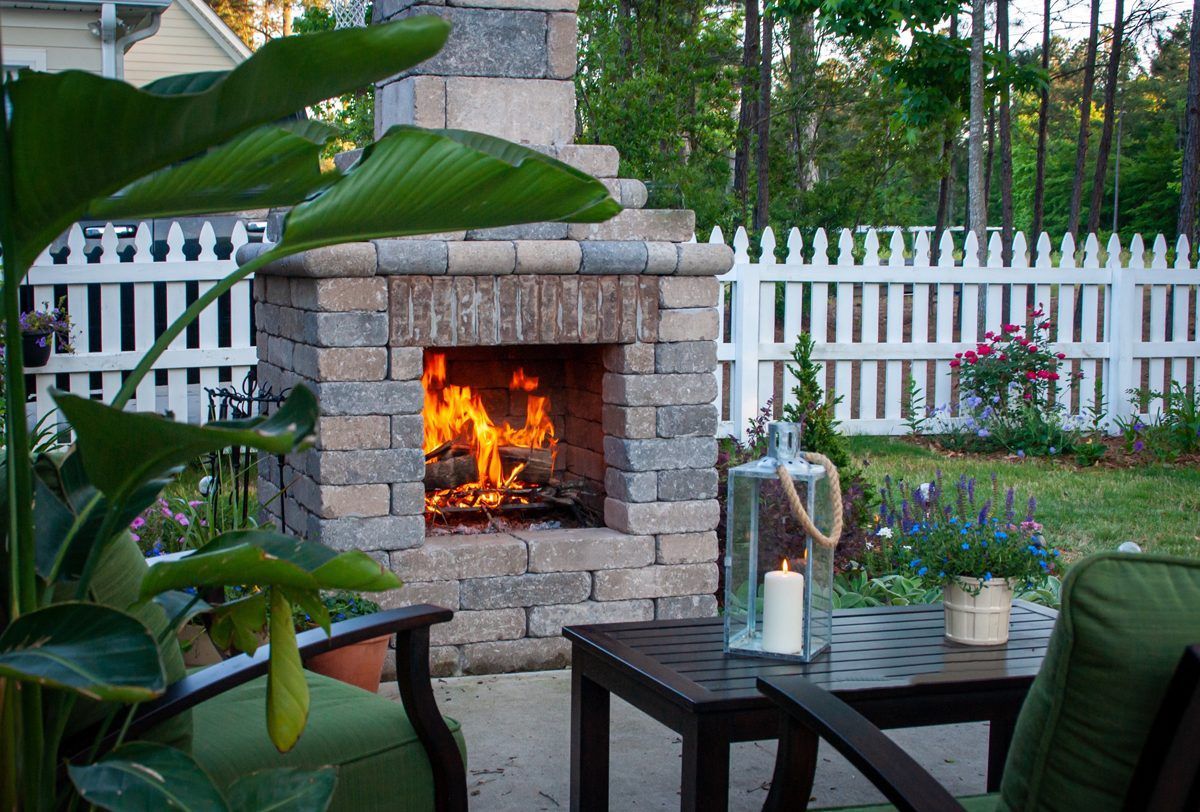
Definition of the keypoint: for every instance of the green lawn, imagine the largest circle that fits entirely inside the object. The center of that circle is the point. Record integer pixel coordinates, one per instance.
(1084, 510)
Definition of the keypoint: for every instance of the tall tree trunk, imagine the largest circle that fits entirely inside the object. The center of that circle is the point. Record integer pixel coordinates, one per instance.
(947, 181)
(286, 9)
(978, 205)
(762, 202)
(1191, 150)
(1039, 183)
(748, 113)
(1085, 118)
(989, 158)
(1112, 77)
(1006, 156)
(802, 45)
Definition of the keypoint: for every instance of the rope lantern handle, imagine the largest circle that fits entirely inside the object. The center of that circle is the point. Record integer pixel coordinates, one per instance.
(835, 499)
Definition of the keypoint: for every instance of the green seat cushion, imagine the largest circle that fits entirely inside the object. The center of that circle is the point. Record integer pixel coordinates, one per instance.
(381, 763)
(971, 803)
(1125, 622)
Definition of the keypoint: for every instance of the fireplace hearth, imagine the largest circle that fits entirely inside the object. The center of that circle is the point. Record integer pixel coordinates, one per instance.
(519, 422)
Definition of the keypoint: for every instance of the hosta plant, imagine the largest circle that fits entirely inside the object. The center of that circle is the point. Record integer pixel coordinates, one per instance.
(75, 146)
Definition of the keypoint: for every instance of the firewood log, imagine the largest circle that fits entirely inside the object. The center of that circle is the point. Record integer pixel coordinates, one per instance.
(539, 463)
(450, 472)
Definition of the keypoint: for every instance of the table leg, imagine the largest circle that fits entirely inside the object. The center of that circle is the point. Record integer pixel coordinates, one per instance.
(795, 768)
(589, 743)
(705, 781)
(1000, 735)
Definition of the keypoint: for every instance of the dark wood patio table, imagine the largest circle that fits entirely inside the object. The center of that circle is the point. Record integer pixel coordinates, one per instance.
(892, 664)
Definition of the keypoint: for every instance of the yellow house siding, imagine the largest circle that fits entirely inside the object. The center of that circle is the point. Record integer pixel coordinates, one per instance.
(63, 35)
(180, 46)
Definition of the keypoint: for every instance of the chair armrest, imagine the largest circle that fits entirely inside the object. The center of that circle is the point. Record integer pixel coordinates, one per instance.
(1167, 776)
(903, 781)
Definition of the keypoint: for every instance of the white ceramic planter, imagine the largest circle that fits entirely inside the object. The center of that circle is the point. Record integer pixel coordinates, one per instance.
(978, 620)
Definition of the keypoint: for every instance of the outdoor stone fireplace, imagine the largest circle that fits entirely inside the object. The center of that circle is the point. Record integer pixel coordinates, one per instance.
(603, 335)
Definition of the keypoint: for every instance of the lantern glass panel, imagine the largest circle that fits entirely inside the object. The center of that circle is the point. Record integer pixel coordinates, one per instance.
(761, 535)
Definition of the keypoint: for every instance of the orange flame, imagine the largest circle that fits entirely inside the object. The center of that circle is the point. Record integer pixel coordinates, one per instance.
(785, 565)
(455, 413)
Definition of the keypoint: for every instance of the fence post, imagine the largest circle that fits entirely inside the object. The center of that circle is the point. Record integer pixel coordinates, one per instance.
(1120, 335)
(743, 401)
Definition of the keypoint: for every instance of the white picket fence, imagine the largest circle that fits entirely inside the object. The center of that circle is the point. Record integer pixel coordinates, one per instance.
(1124, 320)
(99, 284)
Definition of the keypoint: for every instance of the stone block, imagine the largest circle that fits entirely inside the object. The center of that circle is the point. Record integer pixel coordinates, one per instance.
(536, 5)
(655, 582)
(506, 656)
(685, 357)
(613, 257)
(412, 257)
(343, 501)
(703, 259)
(659, 390)
(691, 483)
(277, 290)
(416, 100)
(506, 43)
(687, 548)
(340, 295)
(529, 231)
(548, 621)
(562, 45)
(340, 363)
(699, 420)
(370, 397)
(281, 353)
(631, 487)
(558, 256)
(688, 324)
(408, 498)
(650, 225)
(492, 257)
(411, 593)
(636, 359)
(444, 558)
(630, 422)
(692, 516)
(661, 258)
(361, 467)
(530, 589)
(407, 364)
(535, 111)
(354, 329)
(688, 291)
(346, 259)
(385, 533)
(597, 160)
(684, 607)
(353, 433)
(408, 431)
(592, 548)
(480, 626)
(660, 454)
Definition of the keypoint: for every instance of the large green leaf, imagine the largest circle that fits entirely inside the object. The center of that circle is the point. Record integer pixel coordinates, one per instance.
(239, 624)
(121, 451)
(283, 790)
(141, 776)
(93, 650)
(268, 166)
(287, 691)
(266, 558)
(415, 181)
(131, 133)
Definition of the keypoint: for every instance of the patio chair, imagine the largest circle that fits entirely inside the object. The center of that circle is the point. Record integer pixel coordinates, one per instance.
(389, 755)
(1111, 722)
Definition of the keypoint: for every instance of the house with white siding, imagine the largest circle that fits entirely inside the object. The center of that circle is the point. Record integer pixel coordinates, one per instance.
(135, 40)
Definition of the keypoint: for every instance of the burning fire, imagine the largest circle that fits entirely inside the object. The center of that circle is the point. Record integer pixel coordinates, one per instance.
(455, 415)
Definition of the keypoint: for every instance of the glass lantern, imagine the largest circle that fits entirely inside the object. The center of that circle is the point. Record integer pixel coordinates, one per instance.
(778, 579)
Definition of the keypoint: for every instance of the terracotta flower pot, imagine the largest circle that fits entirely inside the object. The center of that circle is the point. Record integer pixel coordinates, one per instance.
(33, 354)
(981, 619)
(360, 664)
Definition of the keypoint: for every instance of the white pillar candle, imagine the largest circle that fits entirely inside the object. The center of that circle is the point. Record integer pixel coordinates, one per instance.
(783, 612)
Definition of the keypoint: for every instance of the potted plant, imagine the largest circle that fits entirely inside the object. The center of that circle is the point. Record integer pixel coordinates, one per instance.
(360, 664)
(43, 329)
(971, 543)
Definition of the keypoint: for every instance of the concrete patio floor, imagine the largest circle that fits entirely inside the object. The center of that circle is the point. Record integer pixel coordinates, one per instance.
(517, 729)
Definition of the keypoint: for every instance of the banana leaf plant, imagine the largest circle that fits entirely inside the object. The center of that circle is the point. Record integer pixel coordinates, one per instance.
(75, 146)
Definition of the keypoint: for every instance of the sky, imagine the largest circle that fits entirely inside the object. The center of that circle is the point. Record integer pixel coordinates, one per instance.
(1025, 17)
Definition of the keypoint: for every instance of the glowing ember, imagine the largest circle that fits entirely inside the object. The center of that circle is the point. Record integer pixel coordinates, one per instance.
(456, 417)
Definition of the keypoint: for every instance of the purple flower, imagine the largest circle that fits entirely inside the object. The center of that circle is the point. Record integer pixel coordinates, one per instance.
(136, 523)
(1021, 453)
(1139, 446)
(182, 520)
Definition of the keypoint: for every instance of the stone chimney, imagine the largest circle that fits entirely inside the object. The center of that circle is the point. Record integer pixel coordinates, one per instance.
(507, 70)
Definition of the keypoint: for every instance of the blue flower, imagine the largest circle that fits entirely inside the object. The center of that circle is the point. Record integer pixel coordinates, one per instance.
(923, 570)
(984, 433)
(1000, 534)
(1043, 565)
(962, 532)
(1056, 553)
(983, 544)
(953, 520)
(966, 546)
(942, 574)
(914, 562)
(1052, 449)
(1021, 453)
(987, 576)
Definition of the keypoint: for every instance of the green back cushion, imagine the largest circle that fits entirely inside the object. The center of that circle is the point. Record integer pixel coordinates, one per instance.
(1125, 622)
